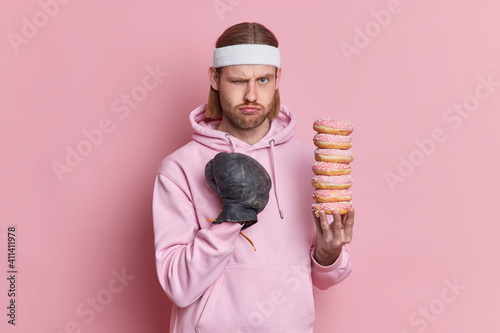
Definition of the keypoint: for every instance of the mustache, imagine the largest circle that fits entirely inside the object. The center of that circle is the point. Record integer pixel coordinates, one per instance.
(251, 104)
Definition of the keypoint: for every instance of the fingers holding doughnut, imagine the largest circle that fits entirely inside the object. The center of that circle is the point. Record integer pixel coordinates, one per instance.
(321, 221)
(348, 225)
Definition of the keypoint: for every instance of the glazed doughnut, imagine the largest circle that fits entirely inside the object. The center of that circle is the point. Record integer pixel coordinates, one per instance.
(329, 207)
(332, 195)
(332, 141)
(331, 169)
(333, 155)
(331, 126)
(341, 182)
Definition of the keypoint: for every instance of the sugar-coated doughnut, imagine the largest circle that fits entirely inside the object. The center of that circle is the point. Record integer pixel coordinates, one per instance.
(333, 155)
(330, 169)
(332, 126)
(332, 141)
(329, 207)
(332, 182)
(332, 195)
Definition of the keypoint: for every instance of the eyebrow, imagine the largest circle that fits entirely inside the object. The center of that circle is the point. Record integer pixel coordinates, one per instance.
(266, 76)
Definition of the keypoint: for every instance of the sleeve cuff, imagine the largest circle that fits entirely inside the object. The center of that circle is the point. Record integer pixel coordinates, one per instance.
(225, 233)
(327, 269)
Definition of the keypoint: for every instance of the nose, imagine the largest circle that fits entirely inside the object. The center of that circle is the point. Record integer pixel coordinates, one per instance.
(251, 93)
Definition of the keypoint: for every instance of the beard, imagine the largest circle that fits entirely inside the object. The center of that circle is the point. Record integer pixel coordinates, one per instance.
(241, 121)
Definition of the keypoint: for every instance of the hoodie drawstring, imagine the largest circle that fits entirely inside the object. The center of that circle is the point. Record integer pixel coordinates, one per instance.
(275, 178)
(228, 137)
(275, 171)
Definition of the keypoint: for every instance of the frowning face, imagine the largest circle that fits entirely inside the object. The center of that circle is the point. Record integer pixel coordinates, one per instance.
(247, 95)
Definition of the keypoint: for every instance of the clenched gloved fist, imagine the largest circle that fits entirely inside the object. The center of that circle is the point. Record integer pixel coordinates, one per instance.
(242, 183)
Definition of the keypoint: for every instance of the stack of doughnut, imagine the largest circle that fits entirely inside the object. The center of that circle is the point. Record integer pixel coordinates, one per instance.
(333, 155)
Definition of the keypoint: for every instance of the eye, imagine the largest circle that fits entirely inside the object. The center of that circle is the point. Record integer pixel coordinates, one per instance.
(263, 80)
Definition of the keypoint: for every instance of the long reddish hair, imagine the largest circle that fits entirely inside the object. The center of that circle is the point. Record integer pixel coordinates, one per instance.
(241, 33)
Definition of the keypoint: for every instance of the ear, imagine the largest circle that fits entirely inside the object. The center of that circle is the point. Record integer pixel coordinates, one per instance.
(278, 76)
(214, 78)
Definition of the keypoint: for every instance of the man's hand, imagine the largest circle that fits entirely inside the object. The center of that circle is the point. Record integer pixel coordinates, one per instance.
(331, 237)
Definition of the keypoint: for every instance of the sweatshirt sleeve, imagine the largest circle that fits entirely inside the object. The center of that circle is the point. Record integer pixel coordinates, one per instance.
(324, 277)
(188, 259)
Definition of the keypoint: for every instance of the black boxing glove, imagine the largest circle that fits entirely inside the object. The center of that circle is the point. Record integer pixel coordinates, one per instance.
(243, 185)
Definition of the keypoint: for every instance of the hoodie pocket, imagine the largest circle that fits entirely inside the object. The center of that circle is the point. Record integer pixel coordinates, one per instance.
(260, 298)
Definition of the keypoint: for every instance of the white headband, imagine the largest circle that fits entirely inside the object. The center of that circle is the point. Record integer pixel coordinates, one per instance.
(247, 54)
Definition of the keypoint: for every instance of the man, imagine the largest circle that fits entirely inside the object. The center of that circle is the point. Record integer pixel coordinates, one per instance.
(215, 279)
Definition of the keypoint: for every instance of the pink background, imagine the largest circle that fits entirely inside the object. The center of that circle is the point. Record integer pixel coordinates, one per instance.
(415, 236)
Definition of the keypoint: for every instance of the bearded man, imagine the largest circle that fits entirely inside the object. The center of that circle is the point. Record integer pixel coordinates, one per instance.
(203, 199)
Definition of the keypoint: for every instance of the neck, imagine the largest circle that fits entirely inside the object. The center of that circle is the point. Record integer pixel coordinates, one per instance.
(250, 136)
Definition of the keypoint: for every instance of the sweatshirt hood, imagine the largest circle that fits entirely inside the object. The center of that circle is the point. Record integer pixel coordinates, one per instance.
(205, 132)
(281, 130)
